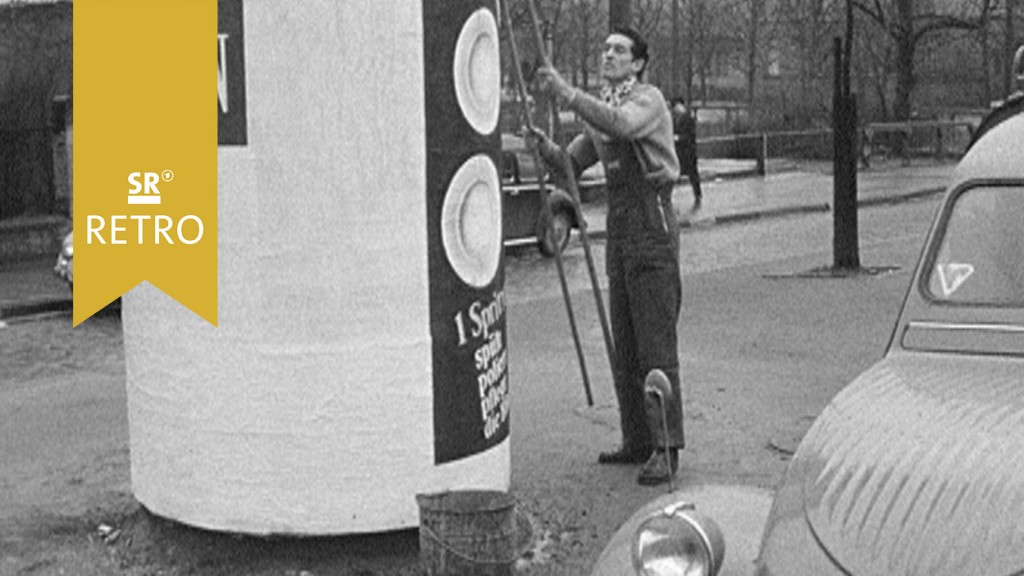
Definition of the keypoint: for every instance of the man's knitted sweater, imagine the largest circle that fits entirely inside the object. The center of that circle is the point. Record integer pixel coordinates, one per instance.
(642, 116)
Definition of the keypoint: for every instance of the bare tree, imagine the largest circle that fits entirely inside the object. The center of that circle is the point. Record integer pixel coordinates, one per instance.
(712, 41)
(908, 23)
(874, 68)
(583, 31)
(647, 16)
(652, 18)
(620, 13)
(754, 30)
(1010, 10)
(806, 30)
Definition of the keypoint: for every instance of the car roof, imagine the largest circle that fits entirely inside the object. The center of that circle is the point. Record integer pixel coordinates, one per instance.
(998, 153)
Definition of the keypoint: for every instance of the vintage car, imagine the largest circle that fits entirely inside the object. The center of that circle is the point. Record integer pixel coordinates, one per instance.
(64, 268)
(917, 466)
(523, 217)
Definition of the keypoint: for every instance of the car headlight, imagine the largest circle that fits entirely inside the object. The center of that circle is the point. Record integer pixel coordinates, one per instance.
(67, 248)
(678, 541)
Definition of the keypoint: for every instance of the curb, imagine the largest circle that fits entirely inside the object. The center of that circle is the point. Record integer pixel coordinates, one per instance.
(753, 215)
(10, 311)
(13, 312)
(881, 200)
(737, 217)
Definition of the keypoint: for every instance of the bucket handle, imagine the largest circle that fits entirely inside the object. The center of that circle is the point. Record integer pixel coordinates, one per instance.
(501, 562)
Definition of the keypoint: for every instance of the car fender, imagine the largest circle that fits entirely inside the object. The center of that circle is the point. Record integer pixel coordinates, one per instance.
(559, 199)
(740, 512)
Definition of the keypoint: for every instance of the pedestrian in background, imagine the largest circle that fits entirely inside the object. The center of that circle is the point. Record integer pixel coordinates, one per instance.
(684, 126)
(629, 130)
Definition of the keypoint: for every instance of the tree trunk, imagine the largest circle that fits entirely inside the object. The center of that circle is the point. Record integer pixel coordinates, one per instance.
(690, 46)
(675, 48)
(986, 59)
(703, 84)
(904, 81)
(905, 42)
(752, 36)
(845, 243)
(619, 13)
(1010, 47)
(585, 47)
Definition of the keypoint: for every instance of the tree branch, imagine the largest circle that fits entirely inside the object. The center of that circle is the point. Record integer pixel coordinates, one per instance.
(878, 15)
(937, 23)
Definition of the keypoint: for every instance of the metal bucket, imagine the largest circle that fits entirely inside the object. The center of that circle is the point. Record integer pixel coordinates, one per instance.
(470, 532)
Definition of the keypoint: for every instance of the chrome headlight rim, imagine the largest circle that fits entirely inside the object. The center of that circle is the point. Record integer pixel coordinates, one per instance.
(707, 536)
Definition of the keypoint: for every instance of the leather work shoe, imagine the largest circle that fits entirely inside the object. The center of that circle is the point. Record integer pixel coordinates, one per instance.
(624, 456)
(655, 470)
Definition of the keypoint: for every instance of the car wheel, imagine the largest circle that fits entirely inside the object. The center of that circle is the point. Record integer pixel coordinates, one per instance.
(556, 235)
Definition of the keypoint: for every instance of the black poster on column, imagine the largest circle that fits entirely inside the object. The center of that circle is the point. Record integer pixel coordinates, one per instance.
(467, 321)
(231, 119)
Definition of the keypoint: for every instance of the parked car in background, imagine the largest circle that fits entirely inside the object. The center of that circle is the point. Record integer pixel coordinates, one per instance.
(65, 260)
(523, 215)
(916, 467)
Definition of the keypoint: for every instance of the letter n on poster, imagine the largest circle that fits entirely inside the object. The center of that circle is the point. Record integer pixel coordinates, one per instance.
(231, 119)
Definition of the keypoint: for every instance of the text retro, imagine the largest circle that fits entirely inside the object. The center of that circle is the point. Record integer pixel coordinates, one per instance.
(148, 228)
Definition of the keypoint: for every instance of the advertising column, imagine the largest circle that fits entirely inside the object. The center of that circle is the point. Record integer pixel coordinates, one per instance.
(360, 355)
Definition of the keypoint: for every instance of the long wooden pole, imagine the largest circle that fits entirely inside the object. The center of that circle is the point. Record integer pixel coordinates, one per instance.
(545, 206)
(574, 191)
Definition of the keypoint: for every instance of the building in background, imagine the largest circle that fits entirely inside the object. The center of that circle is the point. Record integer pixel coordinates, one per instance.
(35, 126)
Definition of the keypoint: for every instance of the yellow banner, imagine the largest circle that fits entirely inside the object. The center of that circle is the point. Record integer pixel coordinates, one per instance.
(145, 152)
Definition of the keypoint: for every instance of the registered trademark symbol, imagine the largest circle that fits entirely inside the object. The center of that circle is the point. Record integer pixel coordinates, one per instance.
(167, 175)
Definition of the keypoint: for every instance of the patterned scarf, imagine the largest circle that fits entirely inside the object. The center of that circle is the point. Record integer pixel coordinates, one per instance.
(614, 95)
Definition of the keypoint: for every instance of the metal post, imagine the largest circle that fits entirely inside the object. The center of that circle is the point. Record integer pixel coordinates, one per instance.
(844, 187)
(762, 155)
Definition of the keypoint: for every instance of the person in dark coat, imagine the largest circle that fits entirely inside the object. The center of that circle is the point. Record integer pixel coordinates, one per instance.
(685, 134)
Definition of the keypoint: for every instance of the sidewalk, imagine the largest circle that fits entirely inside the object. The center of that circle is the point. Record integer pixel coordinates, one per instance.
(30, 287)
(791, 191)
(731, 194)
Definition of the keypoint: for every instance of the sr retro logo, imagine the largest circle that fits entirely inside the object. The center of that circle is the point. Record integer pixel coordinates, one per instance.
(143, 229)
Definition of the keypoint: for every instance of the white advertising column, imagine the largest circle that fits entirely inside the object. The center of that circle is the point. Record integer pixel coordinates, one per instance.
(360, 357)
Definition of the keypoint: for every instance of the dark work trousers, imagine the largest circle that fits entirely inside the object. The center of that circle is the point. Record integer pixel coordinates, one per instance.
(644, 295)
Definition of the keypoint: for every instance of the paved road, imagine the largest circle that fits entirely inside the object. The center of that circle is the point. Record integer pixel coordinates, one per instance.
(763, 349)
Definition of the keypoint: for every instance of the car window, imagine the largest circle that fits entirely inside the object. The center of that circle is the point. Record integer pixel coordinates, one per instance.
(509, 167)
(527, 167)
(980, 259)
